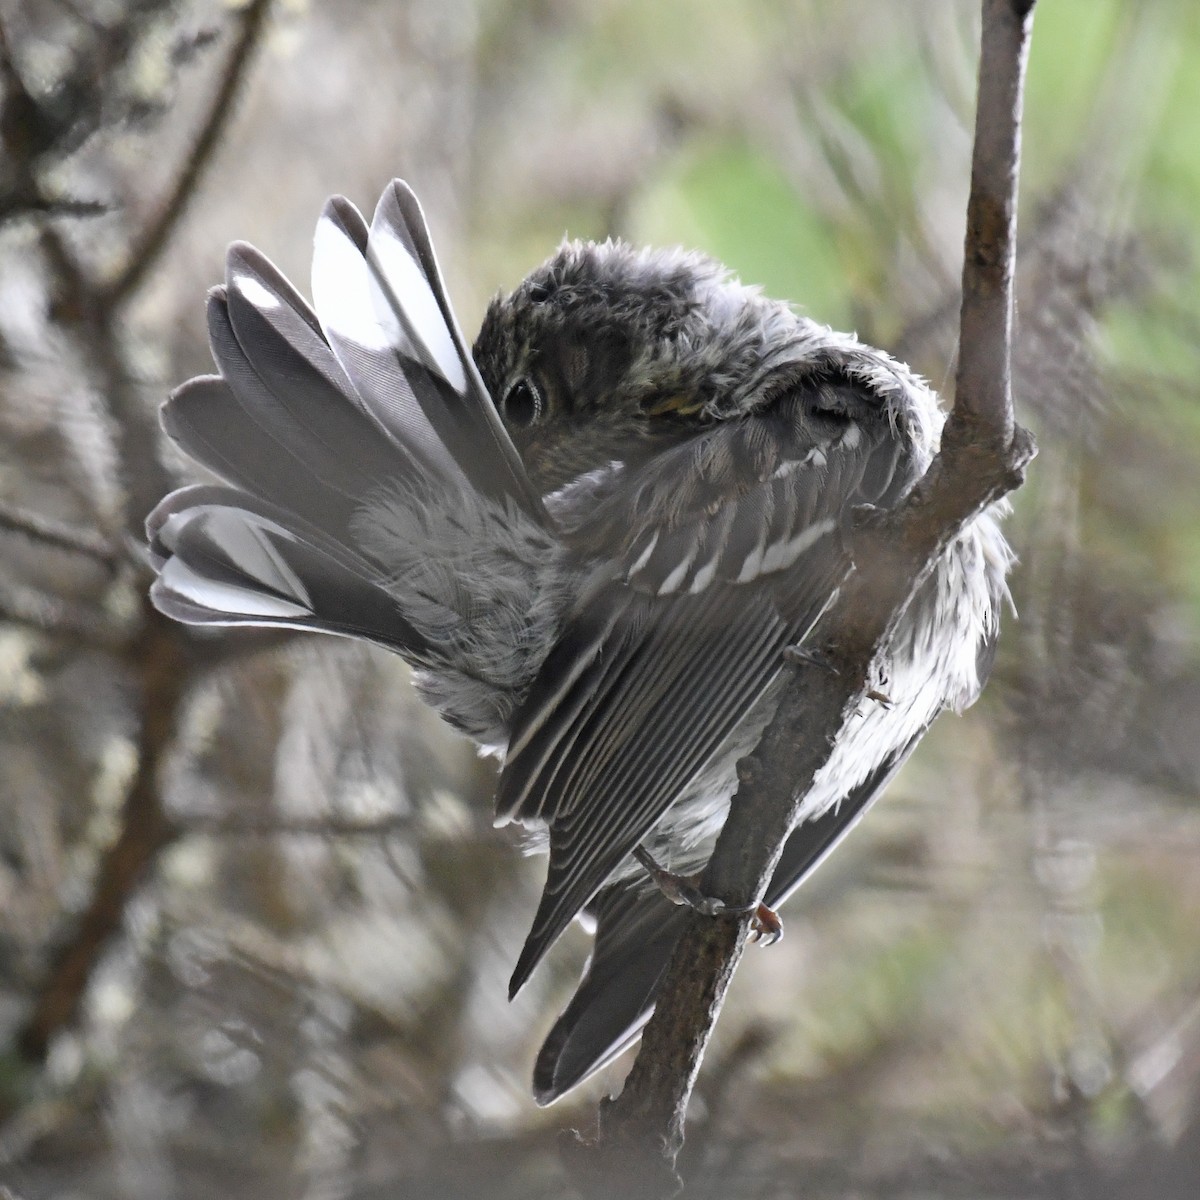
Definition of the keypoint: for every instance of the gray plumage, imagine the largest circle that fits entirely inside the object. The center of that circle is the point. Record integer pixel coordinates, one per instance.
(600, 586)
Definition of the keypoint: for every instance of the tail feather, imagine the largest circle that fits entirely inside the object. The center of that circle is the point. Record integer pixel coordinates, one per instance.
(164, 522)
(206, 418)
(265, 335)
(224, 564)
(294, 404)
(400, 252)
(373, 489)
(366, 331)
(263, 287)
(383, 309)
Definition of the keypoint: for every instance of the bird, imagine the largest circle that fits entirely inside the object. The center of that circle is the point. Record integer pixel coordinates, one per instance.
(597, 535)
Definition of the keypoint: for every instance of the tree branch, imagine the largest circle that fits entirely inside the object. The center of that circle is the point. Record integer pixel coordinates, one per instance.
(50, 532)
(162, 665)
(983, 457)
(17, 204)
(163, 655)
(147, 248)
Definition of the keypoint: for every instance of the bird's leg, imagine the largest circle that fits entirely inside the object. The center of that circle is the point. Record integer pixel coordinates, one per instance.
(808, 656)
(766, 925)
(679, 889)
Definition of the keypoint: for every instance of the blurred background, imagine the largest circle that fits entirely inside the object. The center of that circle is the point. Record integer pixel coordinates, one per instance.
(255, 925)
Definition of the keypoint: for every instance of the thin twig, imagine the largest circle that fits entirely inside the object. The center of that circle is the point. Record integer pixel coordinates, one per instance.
(146, 249)
(275, 826)
(50, 532)
(17, 205)
(983, 457)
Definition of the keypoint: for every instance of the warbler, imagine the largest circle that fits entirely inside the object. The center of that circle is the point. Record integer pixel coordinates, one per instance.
(595, 537)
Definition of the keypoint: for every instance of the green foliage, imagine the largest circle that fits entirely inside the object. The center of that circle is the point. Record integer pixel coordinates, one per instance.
(734, 202)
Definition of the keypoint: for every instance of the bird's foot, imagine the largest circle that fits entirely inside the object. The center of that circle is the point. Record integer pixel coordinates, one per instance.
(765, 927)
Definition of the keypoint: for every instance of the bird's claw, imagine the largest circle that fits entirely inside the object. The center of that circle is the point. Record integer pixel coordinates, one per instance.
(767, 926)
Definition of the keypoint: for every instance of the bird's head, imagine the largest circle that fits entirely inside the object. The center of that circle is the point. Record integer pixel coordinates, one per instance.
(610, 353)
(606, 352)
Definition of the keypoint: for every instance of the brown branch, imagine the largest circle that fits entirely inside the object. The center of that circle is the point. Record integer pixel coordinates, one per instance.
(147, 248)
(162, 663)
(983, 388)
(983, 457)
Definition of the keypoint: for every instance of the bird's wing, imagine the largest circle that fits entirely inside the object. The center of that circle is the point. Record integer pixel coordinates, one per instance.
(636, 931)
(730, 549)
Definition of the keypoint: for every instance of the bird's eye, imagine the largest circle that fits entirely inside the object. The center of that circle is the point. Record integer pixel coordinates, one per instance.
(523, 405)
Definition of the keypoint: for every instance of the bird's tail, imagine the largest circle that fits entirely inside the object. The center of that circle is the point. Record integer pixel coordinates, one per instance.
(372, 490)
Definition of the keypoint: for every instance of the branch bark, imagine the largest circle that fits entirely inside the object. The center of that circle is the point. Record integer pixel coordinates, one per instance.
(147, 248)
(983, 457)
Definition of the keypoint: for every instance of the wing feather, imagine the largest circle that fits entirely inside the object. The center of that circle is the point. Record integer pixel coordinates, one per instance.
(664, 715)
(730, 552)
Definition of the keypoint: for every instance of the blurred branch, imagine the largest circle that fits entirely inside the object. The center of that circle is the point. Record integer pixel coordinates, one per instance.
(80, 306)
(983, 457)
(162, 667)
(41, 128)
(147, 247)
(58, 617)
(162, 656)
(49, 532)
(17, 203)
(1040, 234)
(331, 826)
(214, 653)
